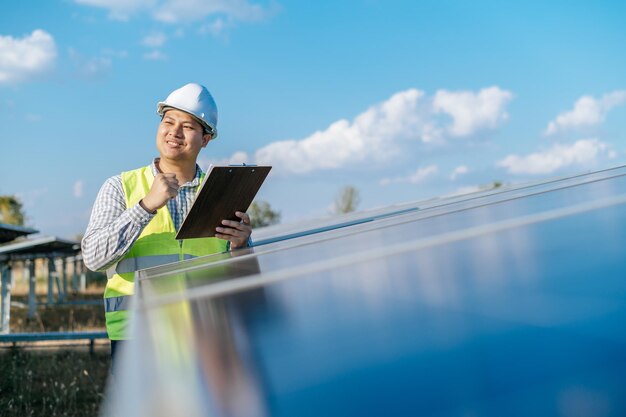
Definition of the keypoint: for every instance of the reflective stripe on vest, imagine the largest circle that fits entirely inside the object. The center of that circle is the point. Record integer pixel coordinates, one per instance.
(156, 245)
(120, 303)
(142, 262)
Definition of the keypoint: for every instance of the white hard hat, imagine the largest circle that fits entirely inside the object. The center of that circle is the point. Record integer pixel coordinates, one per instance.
(196, 100)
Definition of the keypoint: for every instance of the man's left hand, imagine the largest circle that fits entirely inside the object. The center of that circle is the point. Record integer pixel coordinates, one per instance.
(237, 233)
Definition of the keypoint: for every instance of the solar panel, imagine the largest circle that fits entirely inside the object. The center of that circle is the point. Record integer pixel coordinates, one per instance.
(504, 302)
(9, 232)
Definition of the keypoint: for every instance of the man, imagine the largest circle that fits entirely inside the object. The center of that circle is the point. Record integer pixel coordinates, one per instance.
(136, 214)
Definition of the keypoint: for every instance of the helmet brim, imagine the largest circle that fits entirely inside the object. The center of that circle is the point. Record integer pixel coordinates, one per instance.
(163, 107)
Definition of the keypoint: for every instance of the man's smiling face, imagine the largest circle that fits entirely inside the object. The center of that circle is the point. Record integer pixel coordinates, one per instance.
(180, 136)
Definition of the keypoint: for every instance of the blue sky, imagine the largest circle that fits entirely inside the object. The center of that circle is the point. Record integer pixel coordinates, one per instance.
(403, 99)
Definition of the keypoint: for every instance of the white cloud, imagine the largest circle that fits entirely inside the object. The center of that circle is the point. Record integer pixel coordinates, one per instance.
(216, 27)
(154, 40)
(473, 111)
(90, 67)
(155, 55)
(79, 187)
(418, 176)
(381, 132)
(237, 158)
(583, 152)
(96, 66)
(587, 111)
(30, 198)
(23, 58)
(371, 136)
(119, 9)
(458, 171)
(177, 11)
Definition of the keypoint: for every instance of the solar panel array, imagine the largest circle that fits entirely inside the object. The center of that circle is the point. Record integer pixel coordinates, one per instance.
(502, 302)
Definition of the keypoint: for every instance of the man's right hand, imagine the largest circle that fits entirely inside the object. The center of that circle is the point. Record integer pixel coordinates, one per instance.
(164, 187)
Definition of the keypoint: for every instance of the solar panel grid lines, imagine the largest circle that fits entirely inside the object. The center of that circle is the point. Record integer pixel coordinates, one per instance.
(263, 279)
(281, 229)
(523, 190)
(511, 303)
(217, 268)
(383, 222)
(446, 206)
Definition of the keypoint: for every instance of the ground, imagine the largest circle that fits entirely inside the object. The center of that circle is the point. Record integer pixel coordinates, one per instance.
(54, 378)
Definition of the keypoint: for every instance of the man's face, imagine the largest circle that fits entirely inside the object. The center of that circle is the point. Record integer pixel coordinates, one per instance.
(180, 137)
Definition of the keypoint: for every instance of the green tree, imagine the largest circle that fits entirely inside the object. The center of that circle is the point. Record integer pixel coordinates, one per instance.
(261, 214)
(11, 210)
(347, 201)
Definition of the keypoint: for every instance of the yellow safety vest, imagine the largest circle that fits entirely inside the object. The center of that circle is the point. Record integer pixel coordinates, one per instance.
(156, 245)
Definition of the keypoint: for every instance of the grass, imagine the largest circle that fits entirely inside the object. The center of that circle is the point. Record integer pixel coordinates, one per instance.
(54, 378)
(52, 382)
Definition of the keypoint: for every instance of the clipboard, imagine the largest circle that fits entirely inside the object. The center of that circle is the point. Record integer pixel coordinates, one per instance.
(225, 190)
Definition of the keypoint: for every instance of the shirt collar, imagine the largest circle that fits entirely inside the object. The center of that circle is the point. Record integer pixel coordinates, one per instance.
(193, 183)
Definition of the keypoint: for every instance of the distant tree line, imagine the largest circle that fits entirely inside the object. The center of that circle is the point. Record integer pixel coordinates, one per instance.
(347, 200)
(261, 214)
(11, 210)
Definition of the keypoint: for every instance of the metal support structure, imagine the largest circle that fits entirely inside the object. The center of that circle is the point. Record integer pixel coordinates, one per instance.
(5, 309)
(79, 277)
(83, 276)
(57, 281)
(32, 284)
(50, 249)
(63, 278)
(74, 261)
(54, 279)
(51, 276)
(54, 336)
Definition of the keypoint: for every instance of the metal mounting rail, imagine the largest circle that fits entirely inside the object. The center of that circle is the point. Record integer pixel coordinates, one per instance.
(48, 336)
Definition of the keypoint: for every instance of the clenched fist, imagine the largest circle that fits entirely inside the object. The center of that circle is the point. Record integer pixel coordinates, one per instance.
(164, 187)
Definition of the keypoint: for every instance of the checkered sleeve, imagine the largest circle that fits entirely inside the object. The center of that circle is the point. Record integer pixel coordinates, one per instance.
(113, 228)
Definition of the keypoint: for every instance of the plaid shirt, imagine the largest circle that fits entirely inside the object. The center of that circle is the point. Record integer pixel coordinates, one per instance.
(113, 228)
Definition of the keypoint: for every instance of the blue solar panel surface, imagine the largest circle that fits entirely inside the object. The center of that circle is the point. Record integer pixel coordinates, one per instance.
(509, 302)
